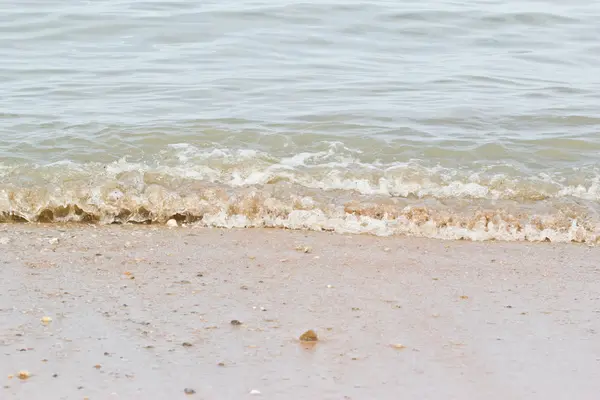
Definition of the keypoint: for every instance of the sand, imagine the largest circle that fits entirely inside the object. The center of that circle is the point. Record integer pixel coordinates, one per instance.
(140, 312)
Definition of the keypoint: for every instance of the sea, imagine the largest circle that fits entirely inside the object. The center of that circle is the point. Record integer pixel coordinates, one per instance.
(451, 119)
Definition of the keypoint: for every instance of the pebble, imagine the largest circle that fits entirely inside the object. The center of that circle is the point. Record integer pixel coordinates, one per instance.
(186, 344)
(4, 240)
(46, 320)
(309, 336)
(24, 375)
(172, 223)
(189, 391)
(304, 249)
(255, 392)
(235, 322)
(53, 241)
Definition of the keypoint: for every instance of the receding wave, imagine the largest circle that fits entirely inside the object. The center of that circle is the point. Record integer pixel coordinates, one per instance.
(332, 190)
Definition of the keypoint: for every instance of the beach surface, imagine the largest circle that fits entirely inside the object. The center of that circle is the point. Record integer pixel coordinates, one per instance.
(145, 312)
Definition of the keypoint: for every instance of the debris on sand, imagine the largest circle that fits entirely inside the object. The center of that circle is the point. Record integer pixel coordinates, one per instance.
(189, 391)
(24, 374)
(304, 249)
(464, 297)
(172, 223)
(53, 241)
(236, 322)
(255, 392)
(309, 336)
(397, 346)
(46, 320)
(186, 344)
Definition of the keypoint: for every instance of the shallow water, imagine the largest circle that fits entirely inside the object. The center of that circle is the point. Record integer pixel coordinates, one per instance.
(444, 119)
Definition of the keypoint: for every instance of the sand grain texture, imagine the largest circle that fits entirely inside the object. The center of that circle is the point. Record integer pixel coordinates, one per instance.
(475, 320)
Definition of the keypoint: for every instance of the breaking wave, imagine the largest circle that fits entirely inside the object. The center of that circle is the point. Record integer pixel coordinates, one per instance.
(336, 189)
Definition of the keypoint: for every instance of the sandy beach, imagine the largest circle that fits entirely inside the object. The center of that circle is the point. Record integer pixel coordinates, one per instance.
(144, 312)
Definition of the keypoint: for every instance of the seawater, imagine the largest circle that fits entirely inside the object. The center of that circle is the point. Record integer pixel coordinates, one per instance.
(450, 119)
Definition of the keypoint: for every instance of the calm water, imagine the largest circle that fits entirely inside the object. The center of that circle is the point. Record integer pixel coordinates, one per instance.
(438, 118)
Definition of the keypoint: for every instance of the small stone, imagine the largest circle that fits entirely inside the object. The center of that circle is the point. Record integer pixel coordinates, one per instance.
(172, 223)
(4, 240)
(188, 391)
(464, 297)
(97, 366)
(235, 322)
(387, 249)
(397, 346)
(53, 241)
(309, 336)
(255, 392)
(221, 364)
(46, 320)
(304, 249)
(55, 375)
(24, 375)
(186, 344)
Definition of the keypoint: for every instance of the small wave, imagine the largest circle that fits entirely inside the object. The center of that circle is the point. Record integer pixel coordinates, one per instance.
(331, 189)
(282, 208)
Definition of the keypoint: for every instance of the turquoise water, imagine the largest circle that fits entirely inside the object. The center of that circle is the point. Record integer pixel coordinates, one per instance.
(448, 119)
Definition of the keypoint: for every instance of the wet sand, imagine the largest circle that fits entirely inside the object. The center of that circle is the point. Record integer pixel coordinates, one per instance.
(142, 312)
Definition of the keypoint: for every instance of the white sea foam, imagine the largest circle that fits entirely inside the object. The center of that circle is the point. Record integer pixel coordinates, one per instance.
(332, 190)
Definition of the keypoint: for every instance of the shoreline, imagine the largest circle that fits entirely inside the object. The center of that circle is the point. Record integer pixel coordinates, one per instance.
(152, 308)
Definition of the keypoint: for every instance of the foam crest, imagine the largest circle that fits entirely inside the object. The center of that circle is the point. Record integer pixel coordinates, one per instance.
(332, 189)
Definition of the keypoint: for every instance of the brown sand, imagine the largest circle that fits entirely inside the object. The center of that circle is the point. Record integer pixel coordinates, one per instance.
(144, 313)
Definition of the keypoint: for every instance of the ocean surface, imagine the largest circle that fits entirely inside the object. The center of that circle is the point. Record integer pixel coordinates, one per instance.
(450, 119)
